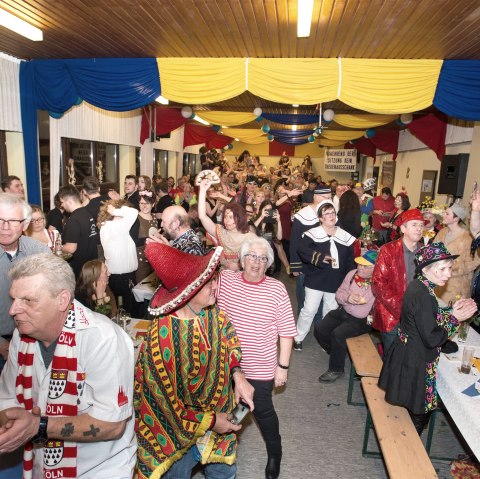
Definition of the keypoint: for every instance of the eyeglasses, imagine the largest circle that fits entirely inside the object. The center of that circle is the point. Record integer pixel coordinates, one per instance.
(11, 223)
(37, 220)
(254, 257)
(331, 213)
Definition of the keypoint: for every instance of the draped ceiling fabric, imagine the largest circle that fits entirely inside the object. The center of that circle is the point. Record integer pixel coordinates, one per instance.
(389, 86)
(342, 135)
(458, 89)
(199, 134)
(305, 81)
(363, 120)
(226, 118)
(160, 121)
(431, 129)
(364, 146)
(116, 84)
(278, 149)
(201, 80)
(290, 119)
(247, 135)
(387, 141)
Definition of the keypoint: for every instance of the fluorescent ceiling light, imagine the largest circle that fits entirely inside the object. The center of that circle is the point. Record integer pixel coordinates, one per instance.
(304, 18)
(236, 139)
(20, 26)
(162, 100)
(295, 106)
(294, 127)
(201, 120)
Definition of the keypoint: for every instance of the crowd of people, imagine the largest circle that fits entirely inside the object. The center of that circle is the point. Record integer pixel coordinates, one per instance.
(222, 325)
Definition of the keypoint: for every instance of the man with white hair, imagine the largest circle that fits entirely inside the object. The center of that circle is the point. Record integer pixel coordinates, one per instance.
(15, 216)
(66, 391)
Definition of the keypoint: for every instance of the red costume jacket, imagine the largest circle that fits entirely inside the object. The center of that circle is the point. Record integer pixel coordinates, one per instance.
(389, 282)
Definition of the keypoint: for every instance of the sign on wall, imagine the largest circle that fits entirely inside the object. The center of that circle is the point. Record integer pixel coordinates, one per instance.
(341, 160)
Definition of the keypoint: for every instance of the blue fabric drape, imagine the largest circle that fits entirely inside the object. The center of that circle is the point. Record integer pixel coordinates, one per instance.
(115, 84)
(458, 89)
(291, 133)
(290, 141)
(288, 119)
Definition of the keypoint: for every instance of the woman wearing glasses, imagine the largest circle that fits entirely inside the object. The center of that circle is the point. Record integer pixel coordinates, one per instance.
(326, 252)
(37, 230)
(260, 309)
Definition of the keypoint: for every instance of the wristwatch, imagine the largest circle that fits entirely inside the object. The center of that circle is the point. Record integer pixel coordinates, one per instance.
(41, 436)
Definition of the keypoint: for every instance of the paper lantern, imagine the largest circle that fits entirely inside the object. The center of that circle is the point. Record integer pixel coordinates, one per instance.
(217, 128)
(370, 133)
(311, 139)
(265, 128)
(270, 137)
(257, 112)
(328, 115)
(55, 115)
(399, 122)
(187, 112)
(406, 118)
(229, 146)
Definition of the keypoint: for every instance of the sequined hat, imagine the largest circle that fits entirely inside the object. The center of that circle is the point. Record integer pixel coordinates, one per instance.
(410, 215)
(182, 275)
(430, 254)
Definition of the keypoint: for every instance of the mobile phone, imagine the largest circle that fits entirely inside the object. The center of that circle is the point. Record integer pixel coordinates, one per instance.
(239, 413)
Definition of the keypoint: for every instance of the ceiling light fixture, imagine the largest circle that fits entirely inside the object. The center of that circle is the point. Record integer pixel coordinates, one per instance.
(294, 127)
(200, 120)
(304, 18)
(295, 106)
(162, 100)
(20, 26)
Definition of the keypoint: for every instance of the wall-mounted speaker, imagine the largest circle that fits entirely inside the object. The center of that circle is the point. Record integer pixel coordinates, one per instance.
(453, 174)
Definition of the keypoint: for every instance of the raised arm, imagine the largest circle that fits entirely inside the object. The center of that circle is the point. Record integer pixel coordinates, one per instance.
(207, 223)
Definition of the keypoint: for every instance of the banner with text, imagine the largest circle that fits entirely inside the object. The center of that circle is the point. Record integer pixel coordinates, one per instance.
(341, 160)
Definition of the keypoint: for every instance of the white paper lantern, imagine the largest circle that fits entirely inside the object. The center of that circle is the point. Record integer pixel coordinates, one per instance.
(187, 111)
(328, 115)
(257, 112)
(406, 118)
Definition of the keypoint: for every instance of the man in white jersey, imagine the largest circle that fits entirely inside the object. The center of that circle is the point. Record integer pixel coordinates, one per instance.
(260, 309)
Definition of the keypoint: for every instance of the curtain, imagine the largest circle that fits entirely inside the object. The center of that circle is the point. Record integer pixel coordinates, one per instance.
(278, 149)
(431, 129)
(387, 141)
(247, 135)
(117, 84)
(389, 86)
(201, 80)
(10, 117)
(199, 134)
(342, 135)
(363, 120)
(458, 89)
(161, 121)
(364, 146)
(305, 81)
(226, 118)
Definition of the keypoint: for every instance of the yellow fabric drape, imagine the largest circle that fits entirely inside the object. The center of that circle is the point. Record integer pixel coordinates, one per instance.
(201, 80)
(327, 142)
(363, 120)
(247, 135)
(227, 118)
(305, 81)
(342, 135)
(389, 86)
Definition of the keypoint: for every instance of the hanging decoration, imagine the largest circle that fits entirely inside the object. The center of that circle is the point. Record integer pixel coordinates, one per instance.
(311, 139)
(370, 133)
(270, 137)
(258, 114)
(187, 112)
(406, 118)
(265, 128)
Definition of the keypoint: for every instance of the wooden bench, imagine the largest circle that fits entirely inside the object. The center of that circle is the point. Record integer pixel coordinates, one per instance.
(366, 362)
(402, 449)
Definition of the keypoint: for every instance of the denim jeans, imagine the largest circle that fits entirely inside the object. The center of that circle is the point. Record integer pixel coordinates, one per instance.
(388, 339)
(332, 333)
(266, 416)
(182, 469)
(11, 465)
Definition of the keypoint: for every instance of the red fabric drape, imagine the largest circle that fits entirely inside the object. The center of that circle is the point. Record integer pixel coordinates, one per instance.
(387, 141)
(198, 134)
(431, 129)
(364, 146)
(278, 149)
(167, 120)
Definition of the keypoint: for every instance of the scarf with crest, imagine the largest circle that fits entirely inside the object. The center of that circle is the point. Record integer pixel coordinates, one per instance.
(59, 457)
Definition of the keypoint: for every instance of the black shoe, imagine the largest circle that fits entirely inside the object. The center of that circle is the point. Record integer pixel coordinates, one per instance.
(331, 376)
(297, 345)
(272, 471)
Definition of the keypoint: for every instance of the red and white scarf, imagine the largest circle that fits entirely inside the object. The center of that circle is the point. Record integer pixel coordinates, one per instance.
(59, 457)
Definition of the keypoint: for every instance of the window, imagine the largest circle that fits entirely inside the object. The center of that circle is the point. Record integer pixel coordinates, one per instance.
(3, 155)
(81, 158)
(138, 161)
(160, 163)
(191, 164)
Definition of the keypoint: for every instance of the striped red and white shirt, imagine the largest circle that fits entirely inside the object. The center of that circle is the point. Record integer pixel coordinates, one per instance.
(260, 312)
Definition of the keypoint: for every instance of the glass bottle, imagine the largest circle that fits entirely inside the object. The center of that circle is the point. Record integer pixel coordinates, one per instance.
(58, 245)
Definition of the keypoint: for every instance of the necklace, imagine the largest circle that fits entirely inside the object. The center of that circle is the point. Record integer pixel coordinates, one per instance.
(193, 311)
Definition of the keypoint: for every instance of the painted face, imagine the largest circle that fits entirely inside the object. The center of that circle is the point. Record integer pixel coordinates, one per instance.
(429, 220)
(440, 274)
(9, 233)
(255, 264)
(38, 221)
(229, 222)
(413, 230)
(16, 188)
(129, 186)
(364, 271)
